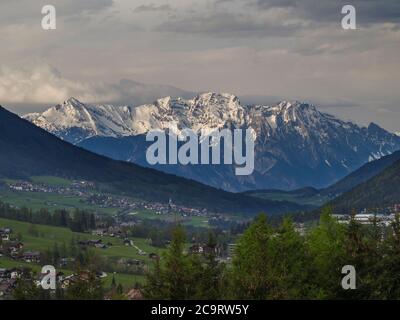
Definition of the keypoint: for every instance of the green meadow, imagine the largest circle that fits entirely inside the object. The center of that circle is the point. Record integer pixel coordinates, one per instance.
(50, 201)
(47, 236)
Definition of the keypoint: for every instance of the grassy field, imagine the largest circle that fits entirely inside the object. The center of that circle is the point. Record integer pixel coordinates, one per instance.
(194, 221)
(51, 181)
(50, 201)
(49, 235)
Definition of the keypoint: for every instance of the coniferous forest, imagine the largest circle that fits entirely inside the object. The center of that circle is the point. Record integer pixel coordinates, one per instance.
(279, 263)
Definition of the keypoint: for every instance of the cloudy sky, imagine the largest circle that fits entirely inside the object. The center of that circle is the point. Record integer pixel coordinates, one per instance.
(132, 51)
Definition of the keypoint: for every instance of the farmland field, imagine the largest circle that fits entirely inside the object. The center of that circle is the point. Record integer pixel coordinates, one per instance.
(47, 236)
(50, 201)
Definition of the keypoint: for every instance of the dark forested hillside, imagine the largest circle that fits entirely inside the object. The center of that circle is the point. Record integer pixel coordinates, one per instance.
(361, 175)
(381, 190)
(317, 197)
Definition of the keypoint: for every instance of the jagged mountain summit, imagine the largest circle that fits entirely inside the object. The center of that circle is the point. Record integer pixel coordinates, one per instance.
(74, 121)
(296, 144)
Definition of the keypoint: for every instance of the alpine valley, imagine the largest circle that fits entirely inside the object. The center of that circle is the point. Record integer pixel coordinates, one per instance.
(296, 144)
(28, 151)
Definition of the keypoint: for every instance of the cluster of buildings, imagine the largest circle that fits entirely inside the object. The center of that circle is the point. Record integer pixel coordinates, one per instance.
(382, 216)
(112, 231)
(14, 249)
(96, 243)
(5, 234)
(110, 201)
(222, 252)
(170, 207)
(76, 188)
(205, 249)
(9, 278)
(128, 204)
(366, 219)
(65, 281)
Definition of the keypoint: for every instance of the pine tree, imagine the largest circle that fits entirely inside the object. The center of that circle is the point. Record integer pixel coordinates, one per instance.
(360, 254)
(211, 273)
(387, 285)
(86, 286)
(26, 288)
(56, 254)
(113, 283)
(173, 277)
(288, 264)
(120, 289)
(327, 246)
(250, 274)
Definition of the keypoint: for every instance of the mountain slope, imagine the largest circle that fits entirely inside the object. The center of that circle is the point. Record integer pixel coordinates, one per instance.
(26, 150)
(361, 175)
(318, 197)
(296, 145)
(381, 190)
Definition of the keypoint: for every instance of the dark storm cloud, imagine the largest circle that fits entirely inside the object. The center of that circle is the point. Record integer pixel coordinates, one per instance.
(368, 11)
(265, 18)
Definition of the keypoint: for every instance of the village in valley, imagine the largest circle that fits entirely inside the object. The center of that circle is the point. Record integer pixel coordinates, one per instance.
(127, 249)
(126, 241)
(88, 193)
(14, 250)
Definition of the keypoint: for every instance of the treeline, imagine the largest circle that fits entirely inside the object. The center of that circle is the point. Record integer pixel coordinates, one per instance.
(279, 263)
(161, 232)
(77, 220)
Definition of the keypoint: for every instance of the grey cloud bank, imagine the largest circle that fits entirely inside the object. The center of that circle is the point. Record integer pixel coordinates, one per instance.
(259, 49)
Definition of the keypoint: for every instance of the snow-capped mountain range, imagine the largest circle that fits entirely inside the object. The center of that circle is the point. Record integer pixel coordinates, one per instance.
(296, 144)
(74, 121)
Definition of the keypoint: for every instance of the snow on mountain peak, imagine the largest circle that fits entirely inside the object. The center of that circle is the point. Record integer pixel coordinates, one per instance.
(205, 112)
(295, 104)
(72, 101)
(76, 121)
(213, 97)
